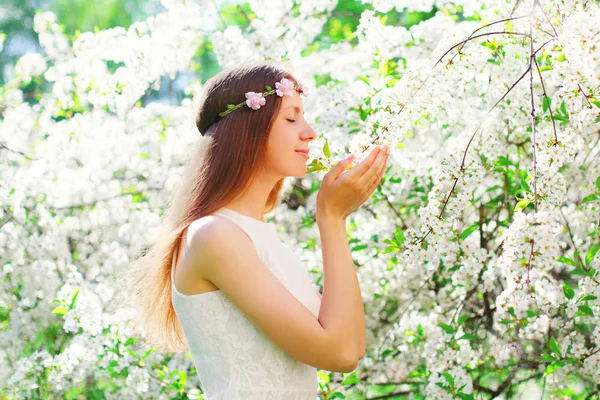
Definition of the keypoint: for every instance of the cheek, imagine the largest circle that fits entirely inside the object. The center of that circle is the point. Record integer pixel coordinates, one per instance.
(275, 151)
(281, 144)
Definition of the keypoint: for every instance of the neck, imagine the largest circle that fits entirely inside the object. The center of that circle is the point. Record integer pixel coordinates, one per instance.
(253, 201)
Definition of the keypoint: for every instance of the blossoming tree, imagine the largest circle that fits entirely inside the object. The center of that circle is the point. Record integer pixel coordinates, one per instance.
(476, 255)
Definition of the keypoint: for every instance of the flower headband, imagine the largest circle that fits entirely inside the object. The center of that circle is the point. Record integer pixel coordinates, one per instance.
(284, 87)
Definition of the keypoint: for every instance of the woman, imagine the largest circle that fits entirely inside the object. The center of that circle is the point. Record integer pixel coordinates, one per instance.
(233, 292)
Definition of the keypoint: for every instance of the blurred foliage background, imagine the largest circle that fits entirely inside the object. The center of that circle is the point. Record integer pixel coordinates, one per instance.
(76, 16)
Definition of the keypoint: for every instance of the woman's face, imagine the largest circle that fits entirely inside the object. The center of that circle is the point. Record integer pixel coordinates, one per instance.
(289, 134)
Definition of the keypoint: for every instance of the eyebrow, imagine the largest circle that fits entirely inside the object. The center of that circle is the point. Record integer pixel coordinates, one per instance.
(295, 107)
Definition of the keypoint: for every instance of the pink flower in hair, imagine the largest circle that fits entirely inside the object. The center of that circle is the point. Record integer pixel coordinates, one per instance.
(284, 87)
(303, 88)
(255, 100)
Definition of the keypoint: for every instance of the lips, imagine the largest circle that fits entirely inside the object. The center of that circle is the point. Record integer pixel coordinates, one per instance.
(303, 153)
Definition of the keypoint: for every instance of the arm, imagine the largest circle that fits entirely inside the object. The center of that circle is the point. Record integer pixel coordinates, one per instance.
(224, 255)
(341, 300)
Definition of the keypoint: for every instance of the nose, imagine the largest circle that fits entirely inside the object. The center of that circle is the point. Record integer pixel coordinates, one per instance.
(308, 133)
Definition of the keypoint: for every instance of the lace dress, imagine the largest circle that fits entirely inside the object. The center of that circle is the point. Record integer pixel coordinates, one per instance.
(234, 359)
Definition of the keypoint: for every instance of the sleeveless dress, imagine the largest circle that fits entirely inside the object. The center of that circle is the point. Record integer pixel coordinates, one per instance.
(234, 360)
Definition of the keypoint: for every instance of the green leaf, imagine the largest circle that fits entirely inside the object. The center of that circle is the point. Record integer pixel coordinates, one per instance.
(467, 336)
(399, 236)
(574, 361)
(468, 231)
(352, 378)
(323, 376)
(552, 345)
(546, 102)
(588, 297)
(449, 378)
(269, 88)
(598, 183)
(595, 102)
(590, 198)
(587, 310)
(60, 310)
(566, 260)
(545, 68)
(315, 165)
(568, 291)
(74, 298)
(359, 247)
(553, 367)
(386, 353)
(339, 395)
(326, 150)
(503, 161)
(578, 271)
(449, 329)
(483, 159)
(230, 106)
(390, 249)
(532, 313)
(462, 319)
(548, 357)
(522, 204)
(465, 396)
(589, 257)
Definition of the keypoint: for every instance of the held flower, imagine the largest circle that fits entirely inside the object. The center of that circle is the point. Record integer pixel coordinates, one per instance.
(285, 87)
(255, 100)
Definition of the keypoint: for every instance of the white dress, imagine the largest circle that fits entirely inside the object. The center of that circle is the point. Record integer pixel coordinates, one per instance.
(234, 360)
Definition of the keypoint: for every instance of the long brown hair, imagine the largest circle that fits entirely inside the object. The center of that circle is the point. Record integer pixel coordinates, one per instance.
(223, 164)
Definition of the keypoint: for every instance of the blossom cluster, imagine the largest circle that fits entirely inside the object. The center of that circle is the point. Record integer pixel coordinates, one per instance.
(476, 255)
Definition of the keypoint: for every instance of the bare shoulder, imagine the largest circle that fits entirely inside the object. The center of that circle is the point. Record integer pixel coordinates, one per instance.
(211, 238)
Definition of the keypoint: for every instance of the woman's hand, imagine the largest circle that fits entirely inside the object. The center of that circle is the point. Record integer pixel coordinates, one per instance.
(339, 196)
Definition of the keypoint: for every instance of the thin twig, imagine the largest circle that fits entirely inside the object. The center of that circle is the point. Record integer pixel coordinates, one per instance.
(485, 26)
(533, 128)
(547, 19)
(389, 203)
(14, 219)
(477, 36)
(571, 236)
(2, 145)
(584, 95)
(548, 102)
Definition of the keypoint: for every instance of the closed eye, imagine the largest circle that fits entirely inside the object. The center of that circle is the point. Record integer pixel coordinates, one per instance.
(291, 120)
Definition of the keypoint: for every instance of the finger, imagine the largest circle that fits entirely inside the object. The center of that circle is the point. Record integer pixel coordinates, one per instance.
(364, 165)
(339, 168)
(378, 179)
(373, 171)
(380, 171)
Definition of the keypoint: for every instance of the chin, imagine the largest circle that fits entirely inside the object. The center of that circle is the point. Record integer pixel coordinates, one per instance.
(297, 174)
